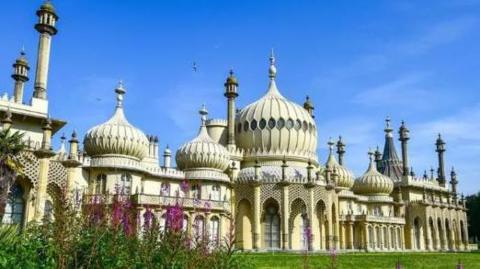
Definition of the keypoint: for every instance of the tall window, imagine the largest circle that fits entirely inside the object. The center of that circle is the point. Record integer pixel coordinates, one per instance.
(199, 227)
(214, 230)
(15, 206)
(272, 228)
(196, 193)
(165, 189)
(101, 184)
(215, 195)
(163, 223)
(126, 183)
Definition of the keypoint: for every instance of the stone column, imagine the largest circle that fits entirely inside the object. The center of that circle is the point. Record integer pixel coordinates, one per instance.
(351, 235)
(256, 216)
(444, 239)
(311, 215)
(366, 236)
(402, 237)
(285, 216)
(389, 239)
(429, 237)
(343, 240)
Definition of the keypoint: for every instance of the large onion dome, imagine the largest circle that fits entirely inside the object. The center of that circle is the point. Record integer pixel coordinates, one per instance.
(344, 177)
(116, 136)
(373, 182)
(274, 127)
(202, 151)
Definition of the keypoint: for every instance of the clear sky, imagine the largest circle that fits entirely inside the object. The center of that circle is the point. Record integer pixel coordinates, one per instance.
(359, 61)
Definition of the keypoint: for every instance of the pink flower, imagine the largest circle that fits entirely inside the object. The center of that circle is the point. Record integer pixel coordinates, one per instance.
(174, 219)
(147, 218)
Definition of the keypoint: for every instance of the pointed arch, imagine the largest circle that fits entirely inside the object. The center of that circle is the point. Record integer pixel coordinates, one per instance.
(322, 219)
(271, 223)
(243, 225)
(298, 224)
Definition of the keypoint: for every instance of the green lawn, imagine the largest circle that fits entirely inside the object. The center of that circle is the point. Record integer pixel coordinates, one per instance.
(367, 260)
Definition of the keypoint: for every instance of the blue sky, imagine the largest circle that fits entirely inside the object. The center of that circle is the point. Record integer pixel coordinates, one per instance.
(359, 61)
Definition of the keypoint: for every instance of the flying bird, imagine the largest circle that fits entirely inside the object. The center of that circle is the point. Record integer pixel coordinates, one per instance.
(194, 67)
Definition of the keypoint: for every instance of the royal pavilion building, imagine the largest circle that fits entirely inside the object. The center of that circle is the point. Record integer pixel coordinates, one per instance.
(258, 171)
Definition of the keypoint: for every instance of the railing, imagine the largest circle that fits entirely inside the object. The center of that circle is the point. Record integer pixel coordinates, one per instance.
(159, 200)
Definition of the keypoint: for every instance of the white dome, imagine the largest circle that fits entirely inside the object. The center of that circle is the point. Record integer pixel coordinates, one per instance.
(202, 152)
(373, 182)
(344, 178)
(276, 127)
(116, 136)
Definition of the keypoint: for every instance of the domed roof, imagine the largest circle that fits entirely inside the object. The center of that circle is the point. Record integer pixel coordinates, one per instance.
(48, 6)
(202, 151)
(116, 136)
(276, 127)
(345, 177)
(22, 60)
(373, 182)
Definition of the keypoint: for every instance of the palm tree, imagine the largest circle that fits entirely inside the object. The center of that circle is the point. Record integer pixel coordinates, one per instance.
(11, 144)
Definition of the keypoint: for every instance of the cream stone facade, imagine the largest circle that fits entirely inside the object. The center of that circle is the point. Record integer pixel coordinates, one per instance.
(258, 172)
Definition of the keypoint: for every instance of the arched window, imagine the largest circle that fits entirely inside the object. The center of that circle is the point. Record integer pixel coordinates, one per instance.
(262, 124)
(253, 125)
(271, 123)
(272, 228)
(15, 206)
(417, 232)
(101, 184)
(196, 192)
(214, 230)
(48, 210)
(165, 189)
(163, 222)
(215, 195)
(126, 183)
(289, 124)
(199, 227)
(280, 123)
(185, 223)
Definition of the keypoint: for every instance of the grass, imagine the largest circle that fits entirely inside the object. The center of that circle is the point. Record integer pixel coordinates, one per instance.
(366, 260)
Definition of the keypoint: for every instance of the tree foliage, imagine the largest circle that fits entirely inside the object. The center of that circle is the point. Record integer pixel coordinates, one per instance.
(11, 144)
(473, 214)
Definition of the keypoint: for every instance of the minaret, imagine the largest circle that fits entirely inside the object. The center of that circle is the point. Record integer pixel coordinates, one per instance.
(167, 157)
(378, 159)
(46, 27)
(454, 182)
(404, 137)
(340, 150)
(440, 144)
(308, 105)
(20, 75)
(231, 93)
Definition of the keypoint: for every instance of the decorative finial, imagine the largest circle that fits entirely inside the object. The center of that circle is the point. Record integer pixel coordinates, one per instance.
(203, 114)
(330, 145)
(370, 155)
(272, 71)
(63, 137)
(22, 51)
(120, 91)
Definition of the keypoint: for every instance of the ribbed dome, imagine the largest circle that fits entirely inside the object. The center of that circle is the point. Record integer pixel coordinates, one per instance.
(202, 151)
(345, 178)
(116, 136)
(275, 126)
(373, 182)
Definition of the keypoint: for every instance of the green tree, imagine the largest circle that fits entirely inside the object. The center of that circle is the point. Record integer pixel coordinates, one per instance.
(473, 214)
(11, 144)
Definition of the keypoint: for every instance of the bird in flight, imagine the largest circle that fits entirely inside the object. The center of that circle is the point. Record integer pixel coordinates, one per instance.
(194, 67)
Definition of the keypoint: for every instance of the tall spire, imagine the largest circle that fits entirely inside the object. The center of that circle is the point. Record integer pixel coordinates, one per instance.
(440, 149)
(404, 137)
(272, 74)
(391, 164)
(203, 114)
(340, 150)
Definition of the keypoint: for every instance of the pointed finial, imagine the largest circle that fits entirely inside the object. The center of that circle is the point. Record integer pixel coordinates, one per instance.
(22, 51)
(272, 71)
(330, 144)
(120, 91)
(370, 155)
(63, 137)
(203, 114)
(388, 128)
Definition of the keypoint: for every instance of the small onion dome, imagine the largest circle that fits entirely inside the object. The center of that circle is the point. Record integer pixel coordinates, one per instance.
(373, 182)
(345, 178)
(116, 136)
(22, 60)
(308, 103)
(231, 79)
(47, 6)
(202, 151)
